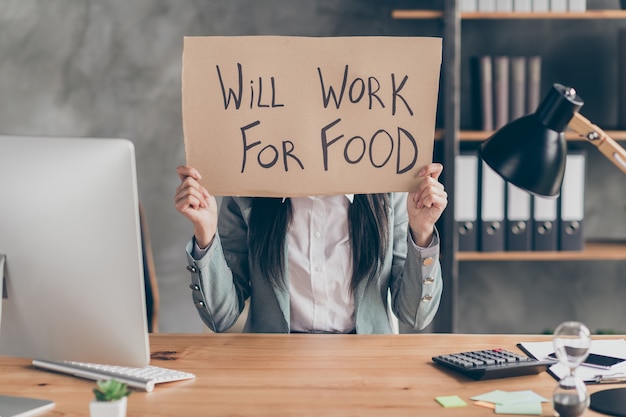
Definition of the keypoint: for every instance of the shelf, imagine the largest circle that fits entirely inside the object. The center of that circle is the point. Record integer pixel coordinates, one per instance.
(589, 14)
(450, 134)
(437, 14)
(416, 14)
(479, 135)
(594, 251)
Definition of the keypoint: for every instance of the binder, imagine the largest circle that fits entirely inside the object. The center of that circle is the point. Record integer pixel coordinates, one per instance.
(558, 5)
(621, 79)
(522, 6)
(577, 5)
(518, 219)
(504, 5)
(533, 96)
(469, 5)
(500, 91)
(486, 92)
(486, 5)
(518, 87)
(491, 210)
(466, 200)
(541, 5)
(545, 234)
(572, 203)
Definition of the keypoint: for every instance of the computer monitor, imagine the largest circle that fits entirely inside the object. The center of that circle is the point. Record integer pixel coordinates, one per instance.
(70, 235)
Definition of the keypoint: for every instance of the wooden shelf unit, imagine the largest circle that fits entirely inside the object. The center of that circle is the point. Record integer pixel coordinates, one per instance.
(438, 14)
(593, 251)
(480, 135)
(451, 136)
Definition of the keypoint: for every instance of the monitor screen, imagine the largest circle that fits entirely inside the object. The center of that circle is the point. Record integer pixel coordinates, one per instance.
(70, 237)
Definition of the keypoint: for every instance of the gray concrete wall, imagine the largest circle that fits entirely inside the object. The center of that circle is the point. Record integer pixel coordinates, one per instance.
(111, 68)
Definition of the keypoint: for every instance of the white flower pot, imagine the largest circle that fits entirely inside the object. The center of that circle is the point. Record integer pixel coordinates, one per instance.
(108, 408)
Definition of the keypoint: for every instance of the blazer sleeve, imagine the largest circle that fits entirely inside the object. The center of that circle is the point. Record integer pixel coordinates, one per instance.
(220, 279)
(416, 282)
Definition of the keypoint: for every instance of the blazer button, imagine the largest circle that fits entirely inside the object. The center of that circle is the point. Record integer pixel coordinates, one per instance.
(428, 261)
(192, 269)
(194, 287)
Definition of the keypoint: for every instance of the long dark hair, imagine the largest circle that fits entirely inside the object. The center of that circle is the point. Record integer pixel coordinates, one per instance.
(369, 236)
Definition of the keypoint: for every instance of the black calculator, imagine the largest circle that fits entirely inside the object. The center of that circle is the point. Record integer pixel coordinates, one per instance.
(492, 363)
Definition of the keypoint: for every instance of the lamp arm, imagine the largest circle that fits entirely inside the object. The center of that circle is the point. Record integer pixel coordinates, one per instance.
(598, 137)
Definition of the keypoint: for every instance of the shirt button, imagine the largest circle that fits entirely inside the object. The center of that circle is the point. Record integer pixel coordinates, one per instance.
(318, 269)
(427, 298)
(428, 280)
(317, 234)
(428, 261)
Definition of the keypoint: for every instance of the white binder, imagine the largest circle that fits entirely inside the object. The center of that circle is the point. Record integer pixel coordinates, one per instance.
(572, 203)
(518, 219)
(545, 235)
(466, 200)
(491, 210)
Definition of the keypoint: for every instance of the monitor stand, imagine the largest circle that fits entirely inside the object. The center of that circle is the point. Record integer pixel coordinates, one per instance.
(4, 285)
(610, 401)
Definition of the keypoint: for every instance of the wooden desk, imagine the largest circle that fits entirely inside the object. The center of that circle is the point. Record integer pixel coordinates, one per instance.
(294, 375)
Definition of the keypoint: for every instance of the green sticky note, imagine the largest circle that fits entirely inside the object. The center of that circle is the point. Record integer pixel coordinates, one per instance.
(449, 401)
(519, 408)
(496, 397)
(505, 397)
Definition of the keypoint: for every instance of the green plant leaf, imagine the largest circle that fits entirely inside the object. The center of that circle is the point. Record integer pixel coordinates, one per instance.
(110, 390)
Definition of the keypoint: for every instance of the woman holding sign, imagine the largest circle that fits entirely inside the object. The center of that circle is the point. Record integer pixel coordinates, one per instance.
(320, 264)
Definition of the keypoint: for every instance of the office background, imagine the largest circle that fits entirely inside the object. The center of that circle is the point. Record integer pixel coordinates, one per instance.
(112, 69)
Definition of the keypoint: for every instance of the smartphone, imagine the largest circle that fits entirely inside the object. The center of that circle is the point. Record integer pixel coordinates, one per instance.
(599, 361)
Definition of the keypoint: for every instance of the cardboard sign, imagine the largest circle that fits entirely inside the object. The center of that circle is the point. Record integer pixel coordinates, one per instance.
(295, 116)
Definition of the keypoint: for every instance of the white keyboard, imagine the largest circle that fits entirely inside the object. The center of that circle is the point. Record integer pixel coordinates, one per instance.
(140, 378)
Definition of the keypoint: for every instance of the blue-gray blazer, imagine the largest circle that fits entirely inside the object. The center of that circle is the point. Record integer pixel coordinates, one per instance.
(223, 279)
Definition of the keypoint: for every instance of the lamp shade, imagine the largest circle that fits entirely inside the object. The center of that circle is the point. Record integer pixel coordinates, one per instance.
(530, 152)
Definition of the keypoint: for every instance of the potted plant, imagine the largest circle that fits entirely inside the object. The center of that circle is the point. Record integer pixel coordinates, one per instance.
(110, 399)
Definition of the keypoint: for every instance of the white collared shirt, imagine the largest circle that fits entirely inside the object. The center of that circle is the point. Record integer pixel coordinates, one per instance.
(320, 265)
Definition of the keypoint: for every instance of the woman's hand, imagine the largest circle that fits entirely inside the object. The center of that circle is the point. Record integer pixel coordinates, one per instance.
(196, 204)
(426, 204)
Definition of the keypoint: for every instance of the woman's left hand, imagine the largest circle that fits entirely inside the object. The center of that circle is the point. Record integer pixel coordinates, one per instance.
(426, 204)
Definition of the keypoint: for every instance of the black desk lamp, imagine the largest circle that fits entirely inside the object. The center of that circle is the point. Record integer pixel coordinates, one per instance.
(530, 153)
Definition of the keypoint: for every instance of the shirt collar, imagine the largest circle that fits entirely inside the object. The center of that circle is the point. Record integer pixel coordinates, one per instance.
(350, 198)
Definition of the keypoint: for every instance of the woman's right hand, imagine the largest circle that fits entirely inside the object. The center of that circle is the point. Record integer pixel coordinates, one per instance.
(194, 202)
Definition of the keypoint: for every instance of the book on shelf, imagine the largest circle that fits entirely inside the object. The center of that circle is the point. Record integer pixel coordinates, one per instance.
(486, 92)
(500, 91)
(621, 79)
(533, 96)
(518, 87)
